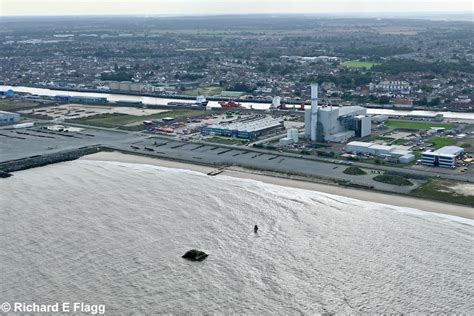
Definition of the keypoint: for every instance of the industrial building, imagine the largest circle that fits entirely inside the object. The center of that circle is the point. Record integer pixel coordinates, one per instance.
(292, 137)
(402, 154)
(9, 118)
(80, 99)
(444, 157)
(248, 128)
(335, 124)
(62, 98)
(88, 100)
(7, 93)
(127, 86)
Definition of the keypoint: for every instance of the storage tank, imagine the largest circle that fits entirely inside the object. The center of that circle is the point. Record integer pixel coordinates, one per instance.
(293, 134)
(114, 85)
(125, 86)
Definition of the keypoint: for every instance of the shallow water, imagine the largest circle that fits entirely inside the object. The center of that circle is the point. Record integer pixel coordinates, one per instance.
(113, 233)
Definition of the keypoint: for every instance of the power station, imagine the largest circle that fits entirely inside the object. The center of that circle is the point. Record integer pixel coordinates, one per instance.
(334, 124)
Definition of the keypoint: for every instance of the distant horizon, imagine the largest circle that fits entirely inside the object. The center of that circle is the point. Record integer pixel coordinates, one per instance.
(468, 16)
(44, 8)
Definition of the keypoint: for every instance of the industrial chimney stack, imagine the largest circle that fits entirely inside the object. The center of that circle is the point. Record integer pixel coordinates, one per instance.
(314, 111)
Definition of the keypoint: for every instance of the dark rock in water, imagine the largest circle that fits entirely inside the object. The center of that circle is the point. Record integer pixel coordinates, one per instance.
(195, 255)
(4, 174)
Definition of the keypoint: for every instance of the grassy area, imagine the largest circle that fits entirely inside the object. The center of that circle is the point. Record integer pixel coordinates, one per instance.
(204, 91)
(359, 64)
(439, 142)
(13, 105)
(121, 120)
(400, 141)
(226, 141)
(392, 179)
(354, 171)
(442, 190)
(417, 125)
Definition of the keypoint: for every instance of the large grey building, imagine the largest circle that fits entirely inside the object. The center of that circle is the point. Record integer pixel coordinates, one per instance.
(249, 128)
(335, 124)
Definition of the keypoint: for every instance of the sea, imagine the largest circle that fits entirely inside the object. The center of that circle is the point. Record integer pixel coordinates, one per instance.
(112, 234)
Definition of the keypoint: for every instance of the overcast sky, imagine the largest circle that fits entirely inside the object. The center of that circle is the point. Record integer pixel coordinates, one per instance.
(199, 7)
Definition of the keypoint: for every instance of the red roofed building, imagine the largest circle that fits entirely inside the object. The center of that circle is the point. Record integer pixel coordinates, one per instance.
(402, 103)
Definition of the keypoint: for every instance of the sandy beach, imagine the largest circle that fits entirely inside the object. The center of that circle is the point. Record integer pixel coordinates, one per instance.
(296, 182)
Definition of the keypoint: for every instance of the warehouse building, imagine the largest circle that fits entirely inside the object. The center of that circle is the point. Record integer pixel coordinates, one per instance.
(444, 157)
(402, 154)
(9, 118)
(249, 128)
(7, 93)
(88, 100)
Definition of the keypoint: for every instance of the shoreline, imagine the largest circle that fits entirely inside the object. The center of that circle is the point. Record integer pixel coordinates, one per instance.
(294, 182)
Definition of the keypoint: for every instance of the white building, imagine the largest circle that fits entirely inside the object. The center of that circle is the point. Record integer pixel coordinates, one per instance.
(402, 153)
(292, 133)
(285, 141)
(406, 158)
(8, 118)
(393, 86)
(335, 124)
(276, 103)
(444, 157)
(249, 128)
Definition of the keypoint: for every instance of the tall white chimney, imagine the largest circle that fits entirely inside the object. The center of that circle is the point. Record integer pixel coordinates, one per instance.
(314, 111)
(276, 103)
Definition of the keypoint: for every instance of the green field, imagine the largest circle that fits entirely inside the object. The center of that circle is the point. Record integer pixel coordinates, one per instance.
(359, 64)
(417, 125)
(400, 141)
(13, 105)
(439, 142)
(355, 171)
(392, 179)
(122, 120)
(203, 91)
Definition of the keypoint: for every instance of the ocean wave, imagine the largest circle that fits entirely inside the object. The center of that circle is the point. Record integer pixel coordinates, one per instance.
(113, 233)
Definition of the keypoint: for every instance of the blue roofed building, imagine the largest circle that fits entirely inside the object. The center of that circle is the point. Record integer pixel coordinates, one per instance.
(7, 93)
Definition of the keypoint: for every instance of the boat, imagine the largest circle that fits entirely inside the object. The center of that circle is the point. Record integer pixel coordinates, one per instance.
(128, 103)
(201, 101)
(230, 105)
(174, 103)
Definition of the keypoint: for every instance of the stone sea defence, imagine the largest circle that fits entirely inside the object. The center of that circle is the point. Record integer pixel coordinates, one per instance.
(43, 160)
